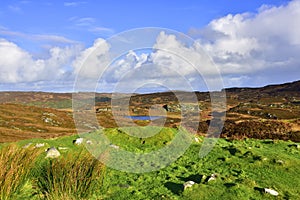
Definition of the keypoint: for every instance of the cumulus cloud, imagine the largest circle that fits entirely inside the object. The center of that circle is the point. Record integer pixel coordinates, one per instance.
(18, 65)
(249, 49)
(170, 64)
(92, 61)
(255, 48)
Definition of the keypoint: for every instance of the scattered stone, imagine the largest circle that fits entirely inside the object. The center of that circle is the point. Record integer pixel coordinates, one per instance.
(89, 142)
(281, 162)
(212, 177)
(188, 184)
(114, 146)
(78, 141)
(27, 145)
(295, 145)
(39, 145)
(264, 159)
(270, 191)
(47, 120)
(52, 152)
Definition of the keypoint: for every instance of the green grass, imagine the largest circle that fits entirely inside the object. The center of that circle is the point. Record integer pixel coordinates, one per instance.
(243, 168)
(71, 177)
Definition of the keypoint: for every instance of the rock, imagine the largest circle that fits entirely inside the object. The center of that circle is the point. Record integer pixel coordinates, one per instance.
(27, 145)
(78, 141)
(212, 177)
(188, 184)
(114, 146)
(281, 162)
(89, 142)
(264, 159)
(297, 146)
(197, 140)
(52, 152)
(270, 191)
(38, 145)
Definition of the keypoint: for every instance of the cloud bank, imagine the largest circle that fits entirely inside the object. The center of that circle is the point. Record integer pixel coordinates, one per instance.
(255, 48)
(249, 49)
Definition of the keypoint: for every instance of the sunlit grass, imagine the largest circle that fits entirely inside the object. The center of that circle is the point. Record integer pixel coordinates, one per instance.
(15, 166)
(76, 176)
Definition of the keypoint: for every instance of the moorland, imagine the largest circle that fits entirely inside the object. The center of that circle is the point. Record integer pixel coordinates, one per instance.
(259, 147)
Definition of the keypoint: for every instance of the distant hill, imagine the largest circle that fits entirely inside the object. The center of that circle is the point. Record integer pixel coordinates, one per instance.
(287, 90)
(271, 111)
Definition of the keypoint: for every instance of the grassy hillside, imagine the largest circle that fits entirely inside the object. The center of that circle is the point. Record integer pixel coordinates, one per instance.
(242, 168)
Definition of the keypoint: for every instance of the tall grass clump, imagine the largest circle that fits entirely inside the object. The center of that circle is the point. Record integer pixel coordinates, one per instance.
(15, 167)
(76, 176)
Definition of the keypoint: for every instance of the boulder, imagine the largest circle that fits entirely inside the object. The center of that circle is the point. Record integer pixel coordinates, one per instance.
(197, 140)
(52, 152)
(188, 184)
(212, 177)
(271, 192)
(78, 141)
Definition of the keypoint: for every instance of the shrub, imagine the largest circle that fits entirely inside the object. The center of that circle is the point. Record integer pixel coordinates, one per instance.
(73, 177)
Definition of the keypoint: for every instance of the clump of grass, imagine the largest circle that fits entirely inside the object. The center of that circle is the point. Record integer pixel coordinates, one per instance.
(15, 168)
(72, 177)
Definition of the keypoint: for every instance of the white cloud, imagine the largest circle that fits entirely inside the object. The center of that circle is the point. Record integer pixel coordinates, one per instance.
(37, 37)
(17, 65)
(74, 3)
(92, 60)
(90, 24)
(249, 49)
(99, 29)
(172, 64)
(251, 45)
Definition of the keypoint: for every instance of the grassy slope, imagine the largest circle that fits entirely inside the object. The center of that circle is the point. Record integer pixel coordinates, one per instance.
(243, 167)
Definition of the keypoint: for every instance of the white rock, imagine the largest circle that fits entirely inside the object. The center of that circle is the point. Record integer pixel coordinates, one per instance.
(212, 177)
(188, 184)
(52, 153)
(78, 141)
(280, 162)
(89, 142)
(38, 145)
(272, 192)
(114, 146)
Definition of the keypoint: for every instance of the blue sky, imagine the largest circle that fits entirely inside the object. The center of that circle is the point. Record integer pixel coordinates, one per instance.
(42, 32)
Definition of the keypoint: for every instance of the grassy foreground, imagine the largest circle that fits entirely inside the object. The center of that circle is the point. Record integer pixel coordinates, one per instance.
(243, 168)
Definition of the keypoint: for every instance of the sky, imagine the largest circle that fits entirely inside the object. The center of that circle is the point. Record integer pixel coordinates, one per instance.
(43, 44)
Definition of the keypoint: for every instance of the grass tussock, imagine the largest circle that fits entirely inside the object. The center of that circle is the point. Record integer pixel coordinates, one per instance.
(70, 177)
(15, 167)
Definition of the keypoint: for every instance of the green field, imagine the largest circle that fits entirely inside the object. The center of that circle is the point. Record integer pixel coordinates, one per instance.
(242, 168)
